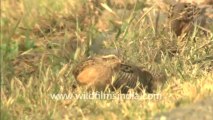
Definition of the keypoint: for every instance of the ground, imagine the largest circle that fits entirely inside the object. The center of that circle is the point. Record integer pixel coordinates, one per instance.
(202, 110)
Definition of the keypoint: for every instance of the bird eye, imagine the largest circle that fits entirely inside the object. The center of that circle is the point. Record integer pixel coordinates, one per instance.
(105, 59)
(186, 5)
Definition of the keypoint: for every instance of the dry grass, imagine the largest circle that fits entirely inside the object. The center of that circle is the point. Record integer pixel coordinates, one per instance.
(41, 41)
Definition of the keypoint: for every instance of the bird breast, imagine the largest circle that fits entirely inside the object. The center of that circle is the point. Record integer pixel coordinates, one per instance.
(97, 76)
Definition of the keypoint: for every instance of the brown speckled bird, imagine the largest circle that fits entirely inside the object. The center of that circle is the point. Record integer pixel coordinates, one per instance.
(96, 72)
(109, 71)
(208, 2)
(182, 16)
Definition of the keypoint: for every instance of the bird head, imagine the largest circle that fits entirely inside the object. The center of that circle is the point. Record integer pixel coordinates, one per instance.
(111, 59)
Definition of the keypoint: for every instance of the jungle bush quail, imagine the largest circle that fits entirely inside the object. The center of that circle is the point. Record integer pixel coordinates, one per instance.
(108, 71)
(182, 17)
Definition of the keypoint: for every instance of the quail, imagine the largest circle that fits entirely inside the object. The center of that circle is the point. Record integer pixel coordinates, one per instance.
(208, 2)
(96, 72)
(109, 71)
(182, 16)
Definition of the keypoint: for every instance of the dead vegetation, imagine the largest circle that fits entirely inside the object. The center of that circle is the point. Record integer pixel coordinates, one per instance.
(42, 41)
